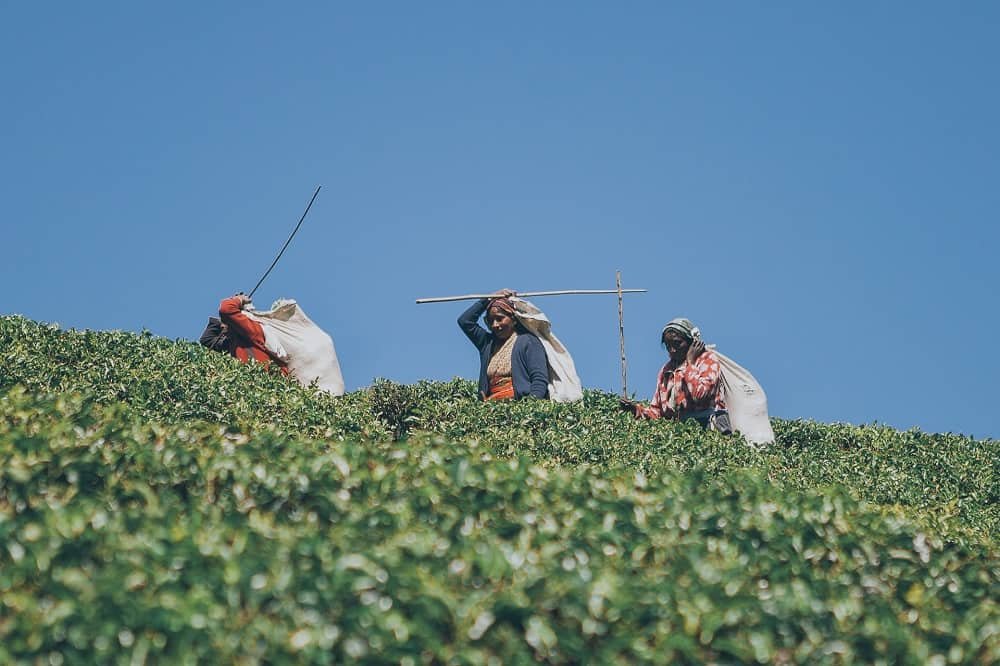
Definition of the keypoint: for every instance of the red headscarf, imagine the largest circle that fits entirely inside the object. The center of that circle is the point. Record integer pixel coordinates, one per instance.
(502, 305)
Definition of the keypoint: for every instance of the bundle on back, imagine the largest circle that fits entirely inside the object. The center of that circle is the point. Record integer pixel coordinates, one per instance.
(306, 349)
(564, 384)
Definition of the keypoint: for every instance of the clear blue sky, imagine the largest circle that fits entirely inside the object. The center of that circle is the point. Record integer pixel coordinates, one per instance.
(815, 185)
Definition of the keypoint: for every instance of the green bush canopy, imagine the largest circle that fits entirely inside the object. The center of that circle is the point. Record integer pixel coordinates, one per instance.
(164, 504)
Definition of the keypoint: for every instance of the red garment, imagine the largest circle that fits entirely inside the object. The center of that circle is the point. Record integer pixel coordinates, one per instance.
(246, 336)
(501, 388)
(686, 388)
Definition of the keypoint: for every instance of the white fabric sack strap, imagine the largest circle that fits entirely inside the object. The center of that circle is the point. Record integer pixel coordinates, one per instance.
(306, 349)
(564, 384)
(272, 340)
(746, 402)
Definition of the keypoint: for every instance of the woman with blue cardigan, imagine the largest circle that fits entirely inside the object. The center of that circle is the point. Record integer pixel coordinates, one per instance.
(512, 362)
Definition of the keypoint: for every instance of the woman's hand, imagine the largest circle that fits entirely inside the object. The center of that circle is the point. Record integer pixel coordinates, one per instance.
(242, 298)
(695, 350)
(627, 405)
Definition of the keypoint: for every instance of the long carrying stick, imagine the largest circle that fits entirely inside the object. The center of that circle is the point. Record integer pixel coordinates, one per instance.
(621, 335)
(565, 292)
(273, 263)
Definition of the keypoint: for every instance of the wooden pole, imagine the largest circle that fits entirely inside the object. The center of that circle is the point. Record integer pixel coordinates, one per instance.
(621, 335)
(566, 292)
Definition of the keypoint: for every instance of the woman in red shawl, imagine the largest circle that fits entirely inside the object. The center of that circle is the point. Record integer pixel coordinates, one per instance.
(244, 335)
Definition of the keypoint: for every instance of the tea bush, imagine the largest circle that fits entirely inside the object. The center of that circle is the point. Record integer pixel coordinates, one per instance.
(194, 542)
(163, 503)
(173, 381)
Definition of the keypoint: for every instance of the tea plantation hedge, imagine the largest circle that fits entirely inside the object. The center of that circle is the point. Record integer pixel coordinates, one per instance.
(952, 482)
(163, 504)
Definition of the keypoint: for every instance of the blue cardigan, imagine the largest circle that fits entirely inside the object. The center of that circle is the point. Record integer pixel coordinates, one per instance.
(529, 366)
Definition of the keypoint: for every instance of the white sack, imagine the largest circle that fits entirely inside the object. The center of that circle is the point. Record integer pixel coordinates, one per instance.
(272, 341)
(564, 384)
(745, 401)
(306, 349)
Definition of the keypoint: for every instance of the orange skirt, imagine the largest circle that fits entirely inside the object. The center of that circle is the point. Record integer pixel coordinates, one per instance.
(501, 388)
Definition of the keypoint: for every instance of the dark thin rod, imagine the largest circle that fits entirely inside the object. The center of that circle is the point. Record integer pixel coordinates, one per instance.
(273, 263)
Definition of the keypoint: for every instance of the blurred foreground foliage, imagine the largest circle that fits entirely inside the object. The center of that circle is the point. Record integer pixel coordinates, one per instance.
(162, 503)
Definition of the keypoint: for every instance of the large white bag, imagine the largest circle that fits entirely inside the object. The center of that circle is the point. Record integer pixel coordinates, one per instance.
(306, 349)
(745, 401)
(564, 384)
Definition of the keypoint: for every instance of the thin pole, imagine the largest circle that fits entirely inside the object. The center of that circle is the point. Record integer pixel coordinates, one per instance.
(273, 263)
(621, 335)
(565, 292)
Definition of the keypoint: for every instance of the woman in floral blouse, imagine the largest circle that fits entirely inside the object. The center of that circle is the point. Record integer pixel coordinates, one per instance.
(689, 385)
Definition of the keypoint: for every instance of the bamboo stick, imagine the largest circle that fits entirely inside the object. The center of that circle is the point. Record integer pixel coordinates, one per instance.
(621, 335)
(565, 292)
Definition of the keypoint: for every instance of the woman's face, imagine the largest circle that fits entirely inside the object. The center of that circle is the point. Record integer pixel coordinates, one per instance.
(677, 345)
(501, 324)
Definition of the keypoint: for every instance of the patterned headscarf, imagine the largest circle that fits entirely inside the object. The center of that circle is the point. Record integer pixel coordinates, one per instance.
(682, 327)
(503, 305)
